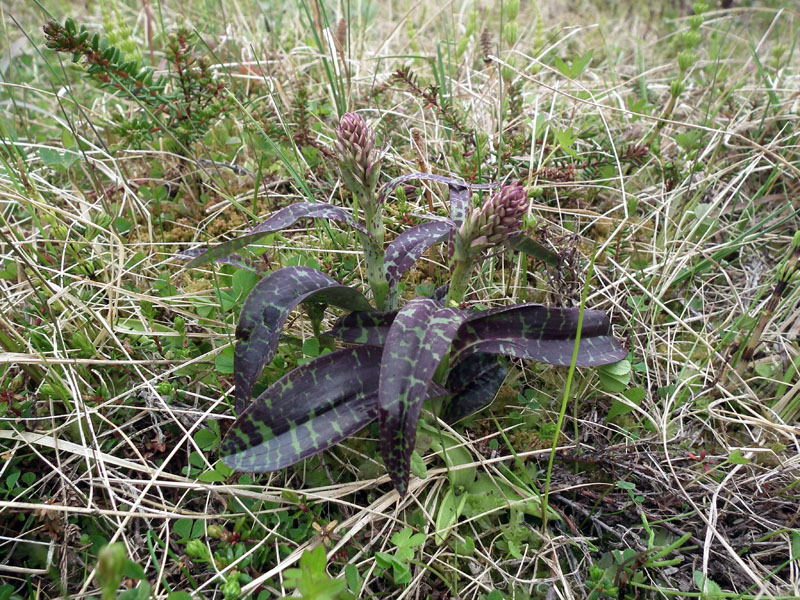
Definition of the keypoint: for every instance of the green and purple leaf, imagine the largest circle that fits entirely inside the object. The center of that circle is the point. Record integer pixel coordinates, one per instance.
(418, 340)
(460, 202)
(285, 217)
(307, 411)
(474, 384)
(364, 327)
(267, 308)
(462, 189)
(410, 245)
(233, 260)
(536, 332)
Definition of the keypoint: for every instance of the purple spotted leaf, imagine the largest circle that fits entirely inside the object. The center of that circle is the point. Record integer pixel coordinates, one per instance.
(233, 260)
(536, 332)
(464, 194)
(308, 410)
(418, 340)
(410, 245)
(474, 384)
(266, 309)
(285, 217)
(364, 327)
(460, 202)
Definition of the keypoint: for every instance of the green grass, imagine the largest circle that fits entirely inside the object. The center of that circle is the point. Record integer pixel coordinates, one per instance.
(116, 363)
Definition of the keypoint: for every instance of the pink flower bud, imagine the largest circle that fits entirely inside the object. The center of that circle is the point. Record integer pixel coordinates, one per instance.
(355, 147)
(499, 217)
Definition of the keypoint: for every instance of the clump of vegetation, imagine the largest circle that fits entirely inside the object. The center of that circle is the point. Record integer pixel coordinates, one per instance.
(407, 350)
(644, 161)
(179, 107)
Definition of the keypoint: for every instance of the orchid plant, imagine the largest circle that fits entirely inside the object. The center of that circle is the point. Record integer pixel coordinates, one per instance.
(399, 356)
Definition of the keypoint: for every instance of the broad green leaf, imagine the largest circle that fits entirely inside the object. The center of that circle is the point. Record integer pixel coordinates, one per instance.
(455, 457)
(133, 570)
(615, 377)
(310, 409)
(267, 308)
(400, 571)
(418, 467)
(418, 339)
(60, 161)
(187, 529)
(447, 514)
(487, 494)
(354, 581)
(736, 458)
(406, 539)
(634, 396)
(314, 560)
(224, 361)
(141, 592)
(708, 588)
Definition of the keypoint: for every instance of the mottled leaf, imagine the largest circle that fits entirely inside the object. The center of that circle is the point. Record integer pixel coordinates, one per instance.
(266, 309)
(536, 332)
(410, 245)
(364, 327)
(233, 260)
(310, 409)
(391, 186)
(418, 339)
(474, 383)
(285, 217)
(460, 201)
(526, 245)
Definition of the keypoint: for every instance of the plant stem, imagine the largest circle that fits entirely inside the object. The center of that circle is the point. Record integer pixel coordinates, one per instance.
(374, 253)
(459, 281)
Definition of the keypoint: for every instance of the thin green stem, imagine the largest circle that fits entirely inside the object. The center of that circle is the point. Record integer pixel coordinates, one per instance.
(565, 399)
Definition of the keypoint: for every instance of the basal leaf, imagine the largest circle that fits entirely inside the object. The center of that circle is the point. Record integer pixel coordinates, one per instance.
(418, 339)
(536, 332)
(410, 245)
(310, 409)
(285, 217)
(455, 455)
(488, 494)
(474, 384)
(364, 327)
(266, 309)
(447, 514)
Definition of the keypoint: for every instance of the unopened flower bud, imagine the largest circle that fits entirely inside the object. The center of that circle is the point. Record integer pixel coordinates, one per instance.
(355, 147)
(198, 550)
(500, 216)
